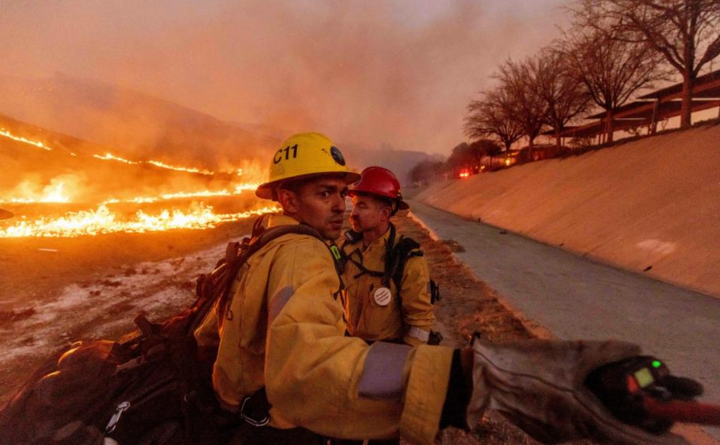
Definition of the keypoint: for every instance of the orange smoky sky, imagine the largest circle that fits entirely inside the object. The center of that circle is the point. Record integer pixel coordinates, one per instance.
(368, 72)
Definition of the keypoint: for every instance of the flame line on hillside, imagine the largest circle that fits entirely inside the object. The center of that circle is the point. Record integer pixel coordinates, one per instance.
(7, 134)
(104, 221)
(56, 196)
(181, 195)
(182, 169)
(111, 157)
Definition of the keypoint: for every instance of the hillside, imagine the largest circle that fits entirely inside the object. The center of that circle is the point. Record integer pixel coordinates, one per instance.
(650, 206)
(139, 125)
(28, 169)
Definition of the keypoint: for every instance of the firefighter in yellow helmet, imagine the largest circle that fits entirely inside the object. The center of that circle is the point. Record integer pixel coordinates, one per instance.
(288, 374)
(387, 283)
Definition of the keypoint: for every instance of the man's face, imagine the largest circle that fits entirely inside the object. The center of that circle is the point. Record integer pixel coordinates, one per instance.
(321, 205)
(368, 213)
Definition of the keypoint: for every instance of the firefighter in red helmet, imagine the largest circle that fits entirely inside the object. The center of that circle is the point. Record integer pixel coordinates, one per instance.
(388, 293)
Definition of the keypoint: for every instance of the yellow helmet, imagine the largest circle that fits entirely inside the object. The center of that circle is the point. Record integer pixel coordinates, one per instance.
(305, 154)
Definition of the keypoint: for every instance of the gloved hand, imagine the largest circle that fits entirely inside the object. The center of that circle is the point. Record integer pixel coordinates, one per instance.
(540, 386)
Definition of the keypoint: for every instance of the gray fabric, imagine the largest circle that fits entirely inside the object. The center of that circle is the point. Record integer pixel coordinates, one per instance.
(382, 376)
(539, 386)
(278, 302)
(418, 333)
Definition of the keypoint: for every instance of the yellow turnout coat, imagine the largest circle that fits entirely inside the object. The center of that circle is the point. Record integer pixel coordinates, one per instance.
(284, 330)
(372, 313)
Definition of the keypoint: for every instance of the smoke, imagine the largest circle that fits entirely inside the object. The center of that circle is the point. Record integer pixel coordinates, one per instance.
(61, 188)
(368, 73)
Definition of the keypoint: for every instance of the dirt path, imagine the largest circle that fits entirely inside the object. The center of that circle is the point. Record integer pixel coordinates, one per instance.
(468, 305)
(55, 291)
(578, 298)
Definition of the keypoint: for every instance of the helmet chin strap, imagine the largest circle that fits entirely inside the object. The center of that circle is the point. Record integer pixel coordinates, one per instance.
(394, 207)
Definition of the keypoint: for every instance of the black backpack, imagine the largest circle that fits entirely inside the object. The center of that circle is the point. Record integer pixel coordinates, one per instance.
(150, 387)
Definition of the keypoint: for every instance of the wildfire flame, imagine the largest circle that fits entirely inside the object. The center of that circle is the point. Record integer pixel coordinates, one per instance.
(7, 134)
(111, 157)
(181, 169)
(103, 221)
(52, 194)
(183, 195)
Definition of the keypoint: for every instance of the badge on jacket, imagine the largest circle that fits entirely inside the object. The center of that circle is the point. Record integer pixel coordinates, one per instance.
(382, 296)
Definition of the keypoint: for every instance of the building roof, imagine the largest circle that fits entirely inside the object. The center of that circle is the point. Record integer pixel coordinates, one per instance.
(707, 86)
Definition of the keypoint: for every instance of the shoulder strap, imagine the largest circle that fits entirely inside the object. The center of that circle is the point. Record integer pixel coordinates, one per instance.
(352, 237)
(397, 258)
(261, 237)
(406, 249)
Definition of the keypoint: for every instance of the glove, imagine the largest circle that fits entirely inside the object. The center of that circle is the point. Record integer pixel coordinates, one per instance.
(540, 386)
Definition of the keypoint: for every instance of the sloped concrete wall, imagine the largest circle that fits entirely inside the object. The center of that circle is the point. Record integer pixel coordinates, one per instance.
(653, 202)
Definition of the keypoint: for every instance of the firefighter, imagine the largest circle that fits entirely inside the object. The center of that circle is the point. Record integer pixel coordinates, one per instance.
(383, 303)
(281, 345)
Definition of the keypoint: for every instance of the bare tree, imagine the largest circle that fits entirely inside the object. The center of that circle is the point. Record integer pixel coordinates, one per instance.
(491, 117)
(425, 172)
(527, 109)
(486, 147)
(564, 96)
(685, 32)
(610, 68)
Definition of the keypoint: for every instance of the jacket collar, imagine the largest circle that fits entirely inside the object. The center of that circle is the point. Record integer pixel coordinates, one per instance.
(378, 243)
(278, 219)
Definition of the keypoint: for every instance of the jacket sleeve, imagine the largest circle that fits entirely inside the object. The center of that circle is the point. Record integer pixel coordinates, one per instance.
(339, 386)
(417, 308)
(206, 334)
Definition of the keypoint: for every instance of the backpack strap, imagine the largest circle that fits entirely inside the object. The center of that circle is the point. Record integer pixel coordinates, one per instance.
(255, 409)
(261, 237)
(397, 257)
(405, 249)
(353, 237)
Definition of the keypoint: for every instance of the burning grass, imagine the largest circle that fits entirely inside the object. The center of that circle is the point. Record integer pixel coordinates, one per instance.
(104, 221)
(60, 196)
(60, 193)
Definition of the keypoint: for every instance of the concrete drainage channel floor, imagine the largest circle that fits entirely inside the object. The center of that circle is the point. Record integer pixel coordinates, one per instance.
(577, 298)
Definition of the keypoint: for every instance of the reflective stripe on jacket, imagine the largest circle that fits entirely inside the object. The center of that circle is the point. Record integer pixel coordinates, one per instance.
(284, 330)
(368, 315)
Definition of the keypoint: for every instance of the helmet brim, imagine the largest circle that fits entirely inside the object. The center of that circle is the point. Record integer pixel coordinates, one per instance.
(264, 191)
(402, 205)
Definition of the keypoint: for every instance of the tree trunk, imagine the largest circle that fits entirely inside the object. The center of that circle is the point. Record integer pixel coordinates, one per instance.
(653, 124)
(686, 109)
(558, 138)
(531, 144)
(609, 126)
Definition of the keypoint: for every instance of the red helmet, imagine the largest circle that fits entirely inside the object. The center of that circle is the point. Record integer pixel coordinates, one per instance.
(380, 182)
